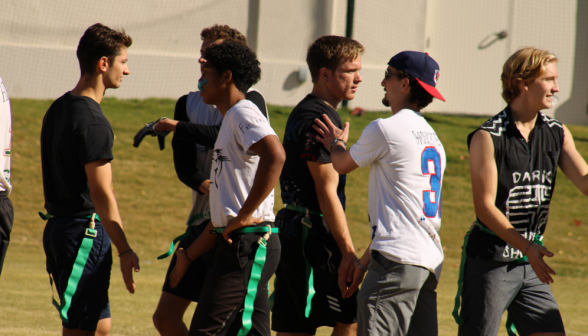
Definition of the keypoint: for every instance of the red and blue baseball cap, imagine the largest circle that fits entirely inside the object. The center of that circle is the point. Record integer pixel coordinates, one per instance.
(421, 66)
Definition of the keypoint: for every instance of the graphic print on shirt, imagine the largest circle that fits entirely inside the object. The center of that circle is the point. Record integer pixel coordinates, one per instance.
(218, 158)
(527, 206)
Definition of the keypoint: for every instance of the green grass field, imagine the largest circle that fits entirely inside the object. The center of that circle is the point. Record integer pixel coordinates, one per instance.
(154, 207)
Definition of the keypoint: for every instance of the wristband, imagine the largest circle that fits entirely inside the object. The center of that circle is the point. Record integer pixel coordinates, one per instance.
(127, 251)
(186, 253)
(335, 141)
(360, 267)
(526, 249)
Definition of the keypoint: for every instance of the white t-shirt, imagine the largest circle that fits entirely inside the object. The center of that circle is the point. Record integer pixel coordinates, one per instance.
(234, 166)
(407, 165)
(200, 113)
(5, 138)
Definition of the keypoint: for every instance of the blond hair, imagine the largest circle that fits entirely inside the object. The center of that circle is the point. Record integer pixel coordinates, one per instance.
(330, 52)
(526, 64)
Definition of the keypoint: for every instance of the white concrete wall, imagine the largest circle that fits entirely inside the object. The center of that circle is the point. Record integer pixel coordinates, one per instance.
(38, 41)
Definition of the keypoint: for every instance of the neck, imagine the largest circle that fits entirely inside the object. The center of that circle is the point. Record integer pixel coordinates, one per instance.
(91, 87)
(323, 93)
(404, 105)
(523, 113)
(228, 99)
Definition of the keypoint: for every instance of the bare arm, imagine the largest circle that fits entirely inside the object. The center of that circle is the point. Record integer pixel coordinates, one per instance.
(326, 180)
(271, 160)
(203, 243)
(341, 158)
(99, 175)
(572, 164)
(484, 177)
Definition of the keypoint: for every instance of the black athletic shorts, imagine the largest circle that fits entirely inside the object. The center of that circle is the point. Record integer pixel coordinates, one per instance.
(220, 308)
(62, 239)
(6, 220)
(191, 284)
(290, 286)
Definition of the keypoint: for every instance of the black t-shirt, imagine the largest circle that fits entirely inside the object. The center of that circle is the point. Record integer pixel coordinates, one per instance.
(74, 132)
(526, 180)
(300, 144)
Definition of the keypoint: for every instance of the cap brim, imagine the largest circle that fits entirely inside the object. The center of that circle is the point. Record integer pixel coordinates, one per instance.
(431, 90)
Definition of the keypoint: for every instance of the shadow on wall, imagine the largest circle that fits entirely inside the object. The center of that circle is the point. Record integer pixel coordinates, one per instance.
(575, 110)
(292, 81)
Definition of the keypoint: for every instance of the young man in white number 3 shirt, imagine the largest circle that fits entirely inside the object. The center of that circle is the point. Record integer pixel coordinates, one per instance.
(407, 162)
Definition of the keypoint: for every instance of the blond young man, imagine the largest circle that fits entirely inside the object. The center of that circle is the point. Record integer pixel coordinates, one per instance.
(513, 165)
(195, 126)
(318, 257)
(76, 150)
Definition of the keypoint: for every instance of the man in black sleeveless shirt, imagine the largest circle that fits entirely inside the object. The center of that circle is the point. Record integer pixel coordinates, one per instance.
(513, 164)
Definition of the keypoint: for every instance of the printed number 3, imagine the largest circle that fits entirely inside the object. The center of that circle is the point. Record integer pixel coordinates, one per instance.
(431, 197)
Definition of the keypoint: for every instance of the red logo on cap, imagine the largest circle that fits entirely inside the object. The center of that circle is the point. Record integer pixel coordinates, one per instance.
(436, 76)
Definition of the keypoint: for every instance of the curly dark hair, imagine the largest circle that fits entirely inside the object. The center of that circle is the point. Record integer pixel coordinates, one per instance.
(418, 95)
(223, 32)
(100, 41)
(237, 58)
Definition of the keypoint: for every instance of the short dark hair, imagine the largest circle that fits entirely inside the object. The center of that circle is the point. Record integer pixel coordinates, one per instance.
(418, 95)
(330, 52)
(237, 58)
(223, 32)
(100, 41)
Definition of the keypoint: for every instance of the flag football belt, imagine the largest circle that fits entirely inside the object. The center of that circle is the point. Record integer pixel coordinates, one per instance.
(258, 263)
(306, 226)
(186, 234)
(510, 327)
(78, 267)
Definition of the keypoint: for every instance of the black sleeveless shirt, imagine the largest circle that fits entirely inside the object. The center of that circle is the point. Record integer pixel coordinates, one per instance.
(526, 180)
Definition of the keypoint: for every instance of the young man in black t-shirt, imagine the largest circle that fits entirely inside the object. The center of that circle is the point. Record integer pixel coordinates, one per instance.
(76, 150)
(318, 258)
(513, 165)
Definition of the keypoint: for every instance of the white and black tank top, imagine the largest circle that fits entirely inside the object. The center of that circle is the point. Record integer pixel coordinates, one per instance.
(526, 180)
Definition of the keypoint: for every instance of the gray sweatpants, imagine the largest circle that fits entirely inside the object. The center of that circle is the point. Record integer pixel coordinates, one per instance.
(396, 299)
(491, 287)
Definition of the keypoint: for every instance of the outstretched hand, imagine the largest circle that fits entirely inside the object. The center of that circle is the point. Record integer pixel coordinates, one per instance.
(328, 132)
(535, 254)
(129, 262)
(237, 223)
(182, 264)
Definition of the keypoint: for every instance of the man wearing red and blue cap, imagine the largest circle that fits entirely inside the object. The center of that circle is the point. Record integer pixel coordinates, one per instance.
(407, 161)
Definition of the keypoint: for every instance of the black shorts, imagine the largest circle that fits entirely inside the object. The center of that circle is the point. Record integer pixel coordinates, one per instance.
(190, 287)
(62, 239)
(290, 286)
(6, 220)
(220, 308)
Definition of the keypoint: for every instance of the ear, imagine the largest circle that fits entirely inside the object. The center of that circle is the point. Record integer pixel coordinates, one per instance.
(227, 76)
(324, 74)
(102, 65)
(523, 85)
(405, 84)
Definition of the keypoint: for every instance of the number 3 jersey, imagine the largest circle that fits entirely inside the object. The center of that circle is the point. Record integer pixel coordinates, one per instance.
(526, 178)
(407, 162)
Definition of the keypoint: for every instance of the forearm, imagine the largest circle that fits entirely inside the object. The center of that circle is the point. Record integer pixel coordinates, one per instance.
(202, 244)
(335, 218)
(107, 209)
(365, 258)
(499, 224)
(337, 157)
